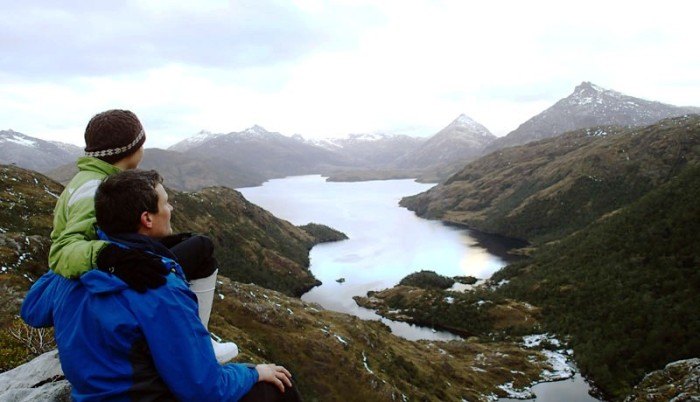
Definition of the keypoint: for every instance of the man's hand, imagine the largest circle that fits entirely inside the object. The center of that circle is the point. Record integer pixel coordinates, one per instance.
(136, 268)
(274, 374)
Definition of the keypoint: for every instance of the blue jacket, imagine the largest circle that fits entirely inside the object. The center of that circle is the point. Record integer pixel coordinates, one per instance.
(116, 344)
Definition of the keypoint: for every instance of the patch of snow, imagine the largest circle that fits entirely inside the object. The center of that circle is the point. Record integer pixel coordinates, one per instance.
(196, 140)
(559, 360)
(525, 393)
(466, 122)
(201, 137)
(24, 141)
(371, 137)
(334, 143)
(341, 340)
(364, 362)
(499, 284)
(255, 130)
(585, 101)
(597, 133)
(531, 341)
(561, 369)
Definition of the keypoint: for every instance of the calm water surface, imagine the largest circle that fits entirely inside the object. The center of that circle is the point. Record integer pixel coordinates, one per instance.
(386, 243)
(574, 389)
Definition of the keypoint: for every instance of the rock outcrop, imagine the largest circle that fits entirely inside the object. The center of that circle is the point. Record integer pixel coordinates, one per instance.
(39, 380)
(677, 382)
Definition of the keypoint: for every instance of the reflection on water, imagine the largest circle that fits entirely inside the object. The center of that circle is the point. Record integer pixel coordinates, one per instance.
(386, 242)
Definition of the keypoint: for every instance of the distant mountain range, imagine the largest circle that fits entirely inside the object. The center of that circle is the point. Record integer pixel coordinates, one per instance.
(33, 153)
(250, 157)
(610, 212)
(589, 106)
(462, 140)
(371, 150)
(577, 178)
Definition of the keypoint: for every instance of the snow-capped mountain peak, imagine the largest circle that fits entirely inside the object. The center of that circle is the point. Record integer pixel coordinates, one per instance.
(34, 153)
(191, 142)
(352, 139)
(255, 130)
(589, 93)
(589, 106)
(470, 125)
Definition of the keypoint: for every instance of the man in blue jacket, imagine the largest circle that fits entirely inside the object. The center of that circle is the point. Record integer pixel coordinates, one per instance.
(116, 344)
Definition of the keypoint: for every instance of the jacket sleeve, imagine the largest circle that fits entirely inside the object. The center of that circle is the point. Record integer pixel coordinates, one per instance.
(182, 351)
(74, 247)
(37, 307)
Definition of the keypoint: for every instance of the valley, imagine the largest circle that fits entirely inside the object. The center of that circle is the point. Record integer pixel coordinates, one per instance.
(605, 199)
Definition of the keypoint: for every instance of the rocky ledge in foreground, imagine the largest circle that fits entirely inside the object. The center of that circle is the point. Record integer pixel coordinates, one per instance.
(330, 353)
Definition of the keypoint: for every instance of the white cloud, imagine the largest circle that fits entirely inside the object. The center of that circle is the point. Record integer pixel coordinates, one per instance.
(331, 67)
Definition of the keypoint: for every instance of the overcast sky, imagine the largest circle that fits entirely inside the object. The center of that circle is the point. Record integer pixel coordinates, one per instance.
(326, 68)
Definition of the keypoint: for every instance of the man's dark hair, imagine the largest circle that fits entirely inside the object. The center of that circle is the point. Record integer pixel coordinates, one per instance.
(123, 197)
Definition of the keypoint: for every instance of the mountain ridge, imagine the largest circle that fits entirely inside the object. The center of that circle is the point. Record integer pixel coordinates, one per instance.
(456, 144)
(503, 191)
(589, 106)
(255, 155)
(34, 153)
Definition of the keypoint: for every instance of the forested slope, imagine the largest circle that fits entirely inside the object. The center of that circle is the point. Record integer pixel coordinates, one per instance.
(626, 289)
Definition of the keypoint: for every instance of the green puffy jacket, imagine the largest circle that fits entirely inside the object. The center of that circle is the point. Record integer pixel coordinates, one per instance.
(75, 247)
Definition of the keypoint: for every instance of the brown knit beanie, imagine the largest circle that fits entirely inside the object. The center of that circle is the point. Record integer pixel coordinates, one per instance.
(113, 135)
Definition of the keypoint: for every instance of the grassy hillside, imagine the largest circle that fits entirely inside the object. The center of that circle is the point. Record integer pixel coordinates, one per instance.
(339, 357)
(623, 291)
(333, 356)
(252, 245)
(545, 190)
(614, 214)
(626, 288)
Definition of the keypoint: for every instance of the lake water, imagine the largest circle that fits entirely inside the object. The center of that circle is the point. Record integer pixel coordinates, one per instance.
(574, 389)
(386, 243)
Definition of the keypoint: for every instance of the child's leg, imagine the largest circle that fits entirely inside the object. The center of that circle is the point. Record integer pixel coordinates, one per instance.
(195, 255)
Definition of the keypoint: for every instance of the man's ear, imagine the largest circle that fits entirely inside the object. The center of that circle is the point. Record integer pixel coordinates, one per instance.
(146, 220)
